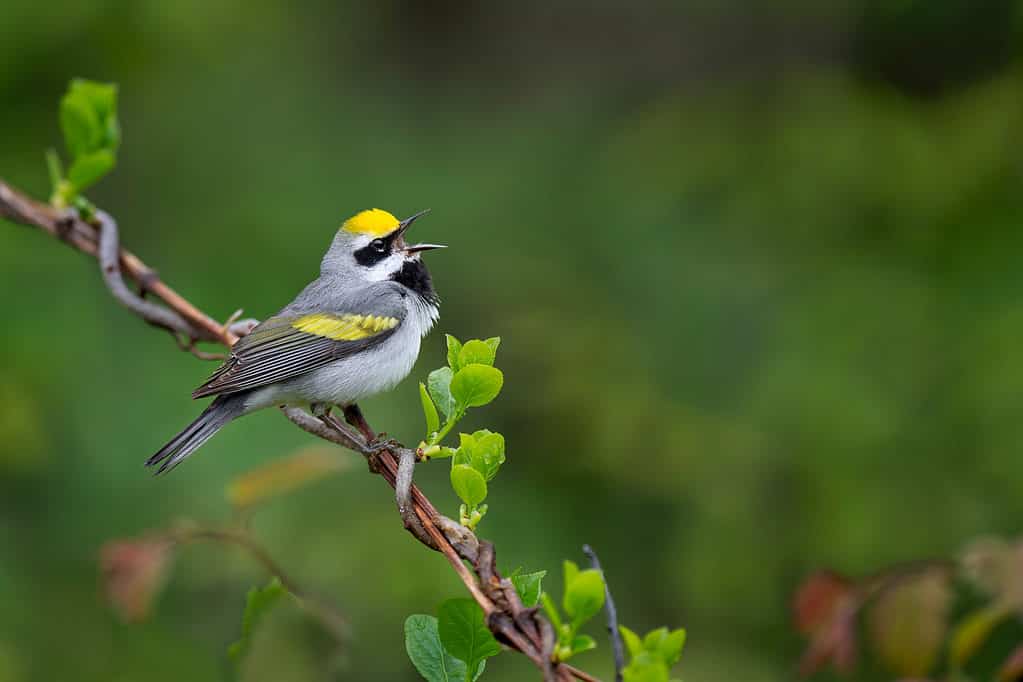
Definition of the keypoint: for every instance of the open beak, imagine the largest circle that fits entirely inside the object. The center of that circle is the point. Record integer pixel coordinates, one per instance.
(416, 248)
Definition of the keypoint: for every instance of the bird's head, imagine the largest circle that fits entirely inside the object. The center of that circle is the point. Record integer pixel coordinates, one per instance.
(371, 247)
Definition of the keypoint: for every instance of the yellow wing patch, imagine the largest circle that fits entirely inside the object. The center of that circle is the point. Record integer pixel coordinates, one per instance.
(346, 327)
(373, 222)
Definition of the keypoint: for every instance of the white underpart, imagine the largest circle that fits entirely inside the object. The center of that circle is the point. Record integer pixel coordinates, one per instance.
(369, 372)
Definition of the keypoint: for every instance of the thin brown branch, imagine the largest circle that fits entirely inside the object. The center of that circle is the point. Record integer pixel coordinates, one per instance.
(518, 627)
(328, 616)
(108, 252)
(78, 234)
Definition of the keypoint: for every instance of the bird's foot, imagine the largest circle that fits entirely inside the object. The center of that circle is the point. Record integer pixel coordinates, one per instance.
(322, 412)
(353, 415)
(376, 446)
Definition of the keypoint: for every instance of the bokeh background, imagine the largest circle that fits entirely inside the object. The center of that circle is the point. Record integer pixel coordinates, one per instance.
(756, 267)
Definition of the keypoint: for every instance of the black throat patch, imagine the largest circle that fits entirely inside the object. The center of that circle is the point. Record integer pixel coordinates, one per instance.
(415, 276)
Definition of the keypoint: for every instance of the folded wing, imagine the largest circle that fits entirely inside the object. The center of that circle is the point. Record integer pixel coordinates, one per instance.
(287, 346)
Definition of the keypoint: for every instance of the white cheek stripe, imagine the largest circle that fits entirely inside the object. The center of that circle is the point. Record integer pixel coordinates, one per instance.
(384, 269)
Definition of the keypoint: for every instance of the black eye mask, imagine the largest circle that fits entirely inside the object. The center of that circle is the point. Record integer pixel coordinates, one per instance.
(369, 255)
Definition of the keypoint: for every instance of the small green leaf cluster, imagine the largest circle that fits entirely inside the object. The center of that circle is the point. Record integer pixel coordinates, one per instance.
(652, 657)
(88, 120)
(469, 380)
(583, 599)
(453, 646)
(474, 463)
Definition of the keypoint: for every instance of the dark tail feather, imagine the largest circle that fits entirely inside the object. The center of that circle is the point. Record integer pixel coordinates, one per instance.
(213, 418)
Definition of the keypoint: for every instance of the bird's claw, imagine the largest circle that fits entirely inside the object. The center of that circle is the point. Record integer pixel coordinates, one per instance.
(373, 449)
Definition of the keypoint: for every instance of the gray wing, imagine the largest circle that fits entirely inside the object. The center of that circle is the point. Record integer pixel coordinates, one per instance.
(303, 337)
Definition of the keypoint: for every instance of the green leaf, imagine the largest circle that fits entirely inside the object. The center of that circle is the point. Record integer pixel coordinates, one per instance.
(493, 342)
(570, 570)
(257, 604)
(646, 671)
(464, 633)
(528, 585)
(487, 453)
(653, 639)
(89, 168)
(584, 597)
(466, 443)
(476, 385)
(454, 349)
(908, 623)
(551, 610)
(669, 649)
(581, 643)
(439, 383)
(476, 352)
(429, 411)
(427, 653)
(88, 118)
(972, 631)
(101, 97)
(632, 641)
(53, 165)
(80, 124)
(469, 484)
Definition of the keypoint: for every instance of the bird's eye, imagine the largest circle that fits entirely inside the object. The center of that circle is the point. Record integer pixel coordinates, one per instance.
(378, 245)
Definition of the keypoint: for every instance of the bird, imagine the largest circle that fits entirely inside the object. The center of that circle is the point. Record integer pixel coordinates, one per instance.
(353, 332)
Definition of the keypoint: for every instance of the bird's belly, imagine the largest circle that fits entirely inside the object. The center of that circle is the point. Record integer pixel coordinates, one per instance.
(351, 379)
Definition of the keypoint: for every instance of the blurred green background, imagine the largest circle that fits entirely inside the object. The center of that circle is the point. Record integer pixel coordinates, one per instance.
(756, 267)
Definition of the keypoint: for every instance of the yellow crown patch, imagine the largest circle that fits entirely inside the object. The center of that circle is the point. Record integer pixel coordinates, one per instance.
(374, 222)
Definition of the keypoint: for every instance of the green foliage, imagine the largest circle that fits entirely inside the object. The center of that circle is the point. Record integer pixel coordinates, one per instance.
(452, 647)
(476, 352)
(652, 657)
(464, 632)
(88, 121)
(454, 351)
(483, 451)
(469, 484)
(584, 594)
(529, 586)
(257, 605)
(429, 411)
(428, 655)
(439, 383)
(469, 380)
(929, 207)
(476, 385)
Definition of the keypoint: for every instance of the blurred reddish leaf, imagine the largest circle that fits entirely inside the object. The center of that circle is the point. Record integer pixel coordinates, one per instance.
(818, 598)
(908, 622)
(133, 571)
(825, 611)
(1012, 669)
